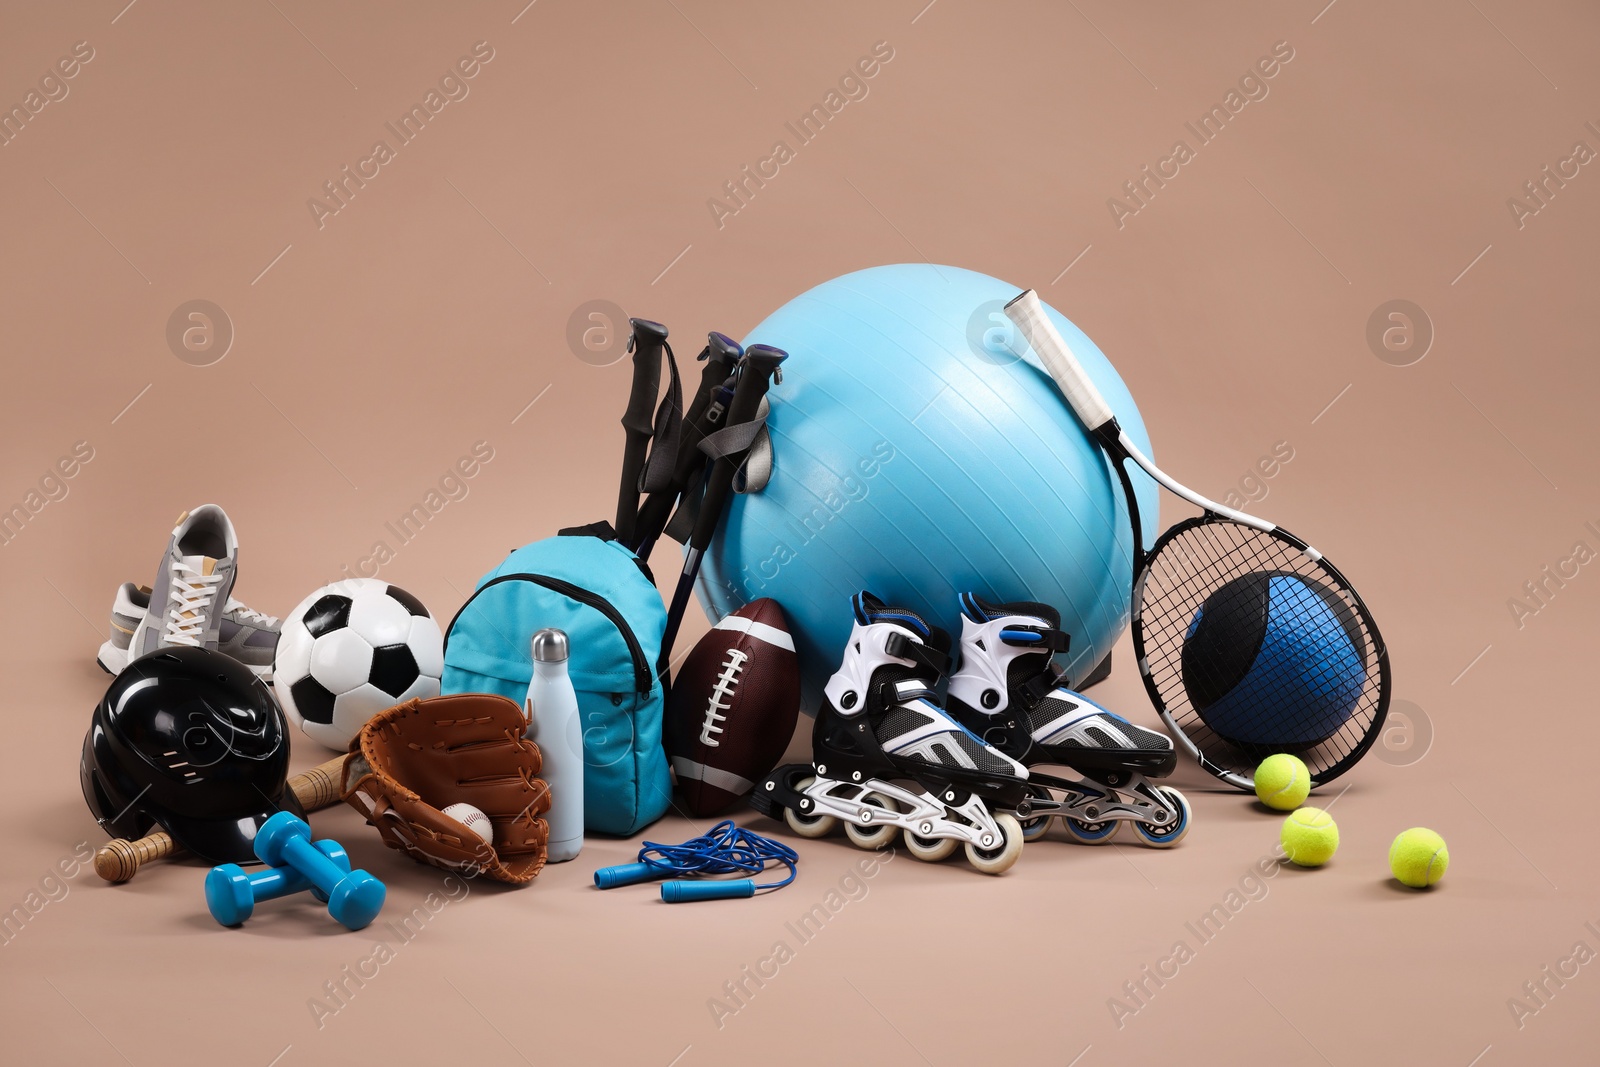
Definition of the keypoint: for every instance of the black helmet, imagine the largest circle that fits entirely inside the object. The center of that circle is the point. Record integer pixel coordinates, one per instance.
(190, 739)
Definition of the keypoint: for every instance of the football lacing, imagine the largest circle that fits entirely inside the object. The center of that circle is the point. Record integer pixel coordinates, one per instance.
(722, 696)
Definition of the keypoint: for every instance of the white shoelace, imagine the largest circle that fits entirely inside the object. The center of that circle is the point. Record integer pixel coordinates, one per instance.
(259, 619)
(190, 607)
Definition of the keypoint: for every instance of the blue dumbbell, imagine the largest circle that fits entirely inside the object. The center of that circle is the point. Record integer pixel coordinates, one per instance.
(232, 892)
(354, 897)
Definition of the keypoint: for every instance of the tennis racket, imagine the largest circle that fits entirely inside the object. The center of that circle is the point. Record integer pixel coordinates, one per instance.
(1249, 641)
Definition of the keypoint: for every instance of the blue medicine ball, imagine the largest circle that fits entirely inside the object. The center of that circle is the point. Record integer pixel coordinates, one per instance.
(920, 451)
(1274, 660)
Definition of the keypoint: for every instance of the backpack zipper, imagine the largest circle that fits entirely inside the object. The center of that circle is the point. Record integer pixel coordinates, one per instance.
(643, 679)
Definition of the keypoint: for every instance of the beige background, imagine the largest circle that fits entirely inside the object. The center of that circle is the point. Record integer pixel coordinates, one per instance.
(427, 314)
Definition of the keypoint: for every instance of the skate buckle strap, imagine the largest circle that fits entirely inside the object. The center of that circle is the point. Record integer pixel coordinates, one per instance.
(1041, 685)
(908, 689)
(901, 646)
(1036, 637)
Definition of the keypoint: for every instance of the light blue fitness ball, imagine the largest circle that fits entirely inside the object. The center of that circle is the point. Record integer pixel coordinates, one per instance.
(921, 451)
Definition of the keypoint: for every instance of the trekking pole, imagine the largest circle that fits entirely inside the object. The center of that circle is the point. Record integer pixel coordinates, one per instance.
(705, 414)
(647, 341)
(756, 373)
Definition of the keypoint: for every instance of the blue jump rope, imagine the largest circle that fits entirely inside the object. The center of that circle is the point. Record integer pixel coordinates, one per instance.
(724, 849)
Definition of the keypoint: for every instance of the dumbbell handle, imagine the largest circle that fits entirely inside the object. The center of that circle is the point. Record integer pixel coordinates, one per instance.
(119, 859)
(309, 861)
(270, 883)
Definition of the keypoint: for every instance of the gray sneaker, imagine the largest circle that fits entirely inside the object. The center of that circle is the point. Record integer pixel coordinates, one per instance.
(192, 584)
(248, 636)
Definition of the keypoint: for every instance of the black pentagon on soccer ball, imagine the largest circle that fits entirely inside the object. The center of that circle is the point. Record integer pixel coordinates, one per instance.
(312, 700)
(328, 614)
(407, 601)
(394, 668)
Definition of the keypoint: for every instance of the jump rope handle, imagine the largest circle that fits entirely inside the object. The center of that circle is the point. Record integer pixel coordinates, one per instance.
(677, 891)
(626, 874)
(683, 891)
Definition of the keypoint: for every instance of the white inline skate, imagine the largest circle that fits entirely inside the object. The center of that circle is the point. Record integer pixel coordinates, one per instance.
(1007, 690)
(886, 759)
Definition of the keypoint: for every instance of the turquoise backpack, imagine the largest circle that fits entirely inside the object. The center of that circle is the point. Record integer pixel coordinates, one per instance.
(584, 582)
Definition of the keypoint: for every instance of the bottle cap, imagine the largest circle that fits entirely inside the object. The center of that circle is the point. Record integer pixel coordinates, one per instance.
(550, 646)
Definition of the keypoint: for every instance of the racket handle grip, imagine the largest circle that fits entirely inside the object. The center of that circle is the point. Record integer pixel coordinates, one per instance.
(625, 874)
(1027, 311)
(683, 891)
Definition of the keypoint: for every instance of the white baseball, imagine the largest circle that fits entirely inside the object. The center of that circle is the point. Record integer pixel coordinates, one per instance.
(472, 819)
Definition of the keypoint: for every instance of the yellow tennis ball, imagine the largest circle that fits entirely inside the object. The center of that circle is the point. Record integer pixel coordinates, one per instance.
(1310, 837)
(1282, 782)
(1419, 858)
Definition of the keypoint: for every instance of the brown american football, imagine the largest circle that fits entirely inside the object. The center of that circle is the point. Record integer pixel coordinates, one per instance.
(733, 707)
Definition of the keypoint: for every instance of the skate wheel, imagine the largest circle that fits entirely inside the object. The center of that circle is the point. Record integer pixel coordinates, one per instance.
(1090, 833)
(999, 859)
(875, 834)
(812, 826)
(1035, 826)
(1172, 833)
(930, 849)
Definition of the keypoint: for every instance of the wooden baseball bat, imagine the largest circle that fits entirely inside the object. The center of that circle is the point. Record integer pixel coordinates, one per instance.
(119, 860)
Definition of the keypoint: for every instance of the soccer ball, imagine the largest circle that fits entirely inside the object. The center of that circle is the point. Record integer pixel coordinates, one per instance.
(350, 650)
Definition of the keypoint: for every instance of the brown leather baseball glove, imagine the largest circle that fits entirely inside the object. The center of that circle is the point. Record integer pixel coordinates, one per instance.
(416, 758)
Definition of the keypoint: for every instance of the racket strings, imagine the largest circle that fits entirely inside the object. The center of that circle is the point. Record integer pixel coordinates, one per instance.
(1284, 664)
